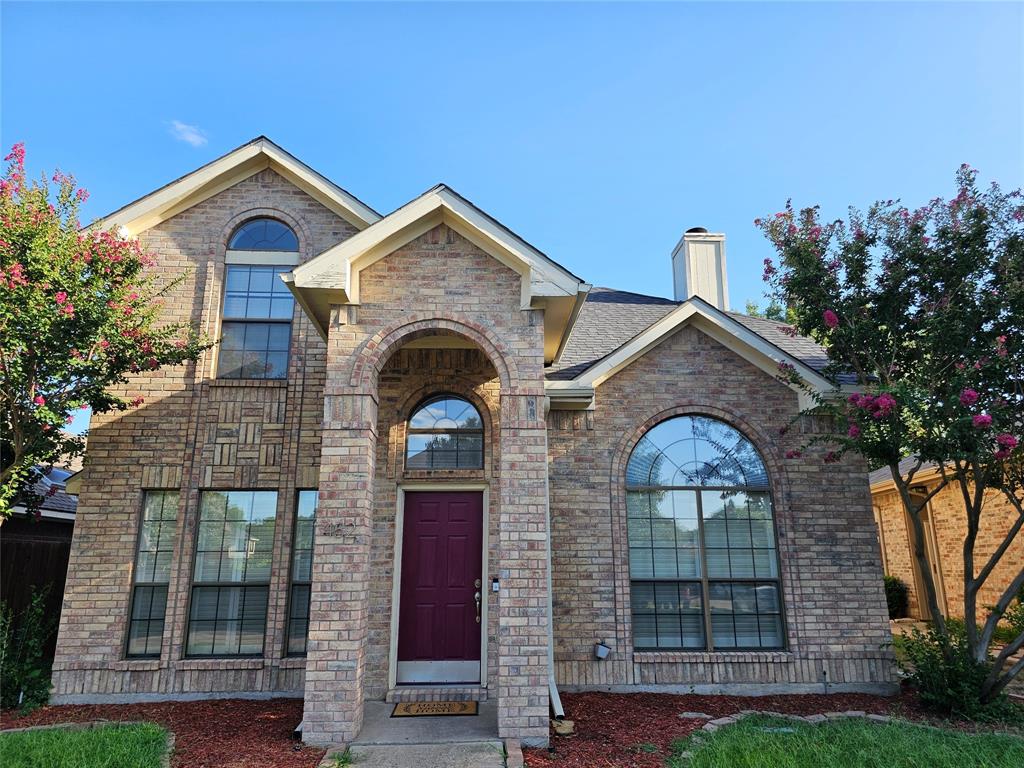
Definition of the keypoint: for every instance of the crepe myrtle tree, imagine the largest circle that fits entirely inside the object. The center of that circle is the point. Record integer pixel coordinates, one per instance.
(921, 313)
(79, 314)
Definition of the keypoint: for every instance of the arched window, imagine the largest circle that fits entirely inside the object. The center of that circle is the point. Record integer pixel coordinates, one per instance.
(264, 234)
(703, 564)
(445, 432)
(258, 306)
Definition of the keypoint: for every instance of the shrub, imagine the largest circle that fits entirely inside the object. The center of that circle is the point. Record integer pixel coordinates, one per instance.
(897, 597)
(948, 679)
(24, 671)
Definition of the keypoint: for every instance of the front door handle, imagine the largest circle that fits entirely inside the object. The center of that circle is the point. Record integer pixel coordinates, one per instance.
(476, 597)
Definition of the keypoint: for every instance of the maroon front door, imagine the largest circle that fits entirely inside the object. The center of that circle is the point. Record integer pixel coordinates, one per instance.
(440, 596)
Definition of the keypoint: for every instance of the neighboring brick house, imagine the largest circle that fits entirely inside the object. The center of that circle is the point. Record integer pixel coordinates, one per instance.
(945, 528)
(297, 514)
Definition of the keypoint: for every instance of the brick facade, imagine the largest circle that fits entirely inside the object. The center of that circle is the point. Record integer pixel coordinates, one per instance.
(438, 314)
(949, 528)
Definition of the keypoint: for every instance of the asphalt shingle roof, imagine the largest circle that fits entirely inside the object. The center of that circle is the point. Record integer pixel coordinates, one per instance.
(609, 318)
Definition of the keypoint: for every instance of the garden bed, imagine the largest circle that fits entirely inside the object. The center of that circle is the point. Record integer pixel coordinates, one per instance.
(638, 730)
(222, 733)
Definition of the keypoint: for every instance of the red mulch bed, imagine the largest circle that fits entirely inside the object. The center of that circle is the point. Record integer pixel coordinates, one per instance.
(226, 733)
(611, 727)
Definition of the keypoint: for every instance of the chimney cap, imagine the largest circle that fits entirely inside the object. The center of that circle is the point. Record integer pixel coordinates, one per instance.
(696, 231)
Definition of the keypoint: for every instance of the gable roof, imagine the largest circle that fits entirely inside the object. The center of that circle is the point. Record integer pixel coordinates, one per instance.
(615, 328)
(333, 276)
(229, 169)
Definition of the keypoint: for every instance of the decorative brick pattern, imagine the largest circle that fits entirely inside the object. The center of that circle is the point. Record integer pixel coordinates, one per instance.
(194, 432)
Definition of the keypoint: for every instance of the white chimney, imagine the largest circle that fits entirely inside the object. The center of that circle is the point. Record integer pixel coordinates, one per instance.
(698, 268)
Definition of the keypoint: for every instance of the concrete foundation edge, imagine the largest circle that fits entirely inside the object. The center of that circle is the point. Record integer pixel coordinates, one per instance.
(152, 698)
(742, 689)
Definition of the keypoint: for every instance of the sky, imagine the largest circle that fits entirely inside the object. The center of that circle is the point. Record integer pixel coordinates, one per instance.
(599, 132)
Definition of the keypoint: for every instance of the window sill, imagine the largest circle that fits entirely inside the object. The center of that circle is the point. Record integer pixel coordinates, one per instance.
(247, 382)
(137, 665)
(225, 662)
(676, 657)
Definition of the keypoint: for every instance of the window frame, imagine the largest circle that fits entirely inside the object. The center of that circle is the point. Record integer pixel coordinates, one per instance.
(135, 583)
(192, 583)
(292, 583)
(410, 431)
(245, 257)
(705, 580)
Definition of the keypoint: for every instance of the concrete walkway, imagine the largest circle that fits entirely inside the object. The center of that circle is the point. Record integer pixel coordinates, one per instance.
(427, 742)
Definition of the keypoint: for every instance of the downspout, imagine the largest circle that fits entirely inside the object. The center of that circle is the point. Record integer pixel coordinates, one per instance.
(556, 701)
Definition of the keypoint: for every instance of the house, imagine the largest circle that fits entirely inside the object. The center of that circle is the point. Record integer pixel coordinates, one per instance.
(427, 461)
(945, 528)
(35, 542)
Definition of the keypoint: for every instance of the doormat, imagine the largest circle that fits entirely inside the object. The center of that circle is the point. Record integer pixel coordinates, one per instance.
(435, 708)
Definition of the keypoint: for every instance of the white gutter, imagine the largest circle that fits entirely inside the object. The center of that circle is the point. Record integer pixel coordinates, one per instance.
(556, 701)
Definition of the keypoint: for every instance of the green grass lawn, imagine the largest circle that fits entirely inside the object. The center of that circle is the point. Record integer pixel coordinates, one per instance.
(130, 746)
(762, 742)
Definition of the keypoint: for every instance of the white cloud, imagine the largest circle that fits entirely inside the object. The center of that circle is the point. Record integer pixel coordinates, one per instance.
(190, 134)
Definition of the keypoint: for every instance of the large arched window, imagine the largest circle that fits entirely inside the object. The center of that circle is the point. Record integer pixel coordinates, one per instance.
(445, 432)
(258, 306)
(703, 565)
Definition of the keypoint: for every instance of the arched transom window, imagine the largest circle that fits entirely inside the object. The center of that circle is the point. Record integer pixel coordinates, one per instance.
(445, 432)
(703, 565)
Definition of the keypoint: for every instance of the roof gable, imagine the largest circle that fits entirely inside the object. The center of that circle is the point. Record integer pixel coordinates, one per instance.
(228, 170)
(721, 326)
(333, 276)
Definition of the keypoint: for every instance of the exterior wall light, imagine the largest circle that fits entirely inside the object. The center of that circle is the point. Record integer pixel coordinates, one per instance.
(601, 651)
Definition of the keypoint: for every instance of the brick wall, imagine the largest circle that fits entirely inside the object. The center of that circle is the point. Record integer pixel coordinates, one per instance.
(438, 284)
(831, 578)
(949, 524)
(194, 433)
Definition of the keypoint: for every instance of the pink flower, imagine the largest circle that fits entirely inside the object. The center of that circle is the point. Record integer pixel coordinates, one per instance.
(61, 297)
(968, 397)
(136, 402)
(39, 400)
(1002, 453)
(982, 421)
(793, 454)
(831, 318)
(1006, 440)
(69, 419)
(853, 431)
(831, 457)
(68, 309)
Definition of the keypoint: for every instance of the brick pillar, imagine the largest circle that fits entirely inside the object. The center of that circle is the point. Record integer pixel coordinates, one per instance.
(522, 604)
(336, 658)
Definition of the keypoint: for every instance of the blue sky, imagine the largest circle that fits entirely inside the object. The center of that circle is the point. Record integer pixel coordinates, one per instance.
(599, 132)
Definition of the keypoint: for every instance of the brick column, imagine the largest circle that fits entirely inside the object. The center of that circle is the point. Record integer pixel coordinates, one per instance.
(522, 604)
(336, 658)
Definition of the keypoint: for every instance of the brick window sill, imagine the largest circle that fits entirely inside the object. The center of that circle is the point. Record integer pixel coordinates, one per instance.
(137, 665)
(708, 657)
(224, 663)
(248, 383)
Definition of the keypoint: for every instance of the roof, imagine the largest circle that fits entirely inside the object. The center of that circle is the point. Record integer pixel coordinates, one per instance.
(610, 318)
(883, 476)
(50, 487)
(229, 169)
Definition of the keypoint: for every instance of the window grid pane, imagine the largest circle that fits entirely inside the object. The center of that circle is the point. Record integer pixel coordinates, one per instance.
(445, 433)
(716, 547)
(154, 551)
(256, 331)
(302, 574)
(231, 573)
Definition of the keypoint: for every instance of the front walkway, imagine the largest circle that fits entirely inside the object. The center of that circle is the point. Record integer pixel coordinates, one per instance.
(422, 742)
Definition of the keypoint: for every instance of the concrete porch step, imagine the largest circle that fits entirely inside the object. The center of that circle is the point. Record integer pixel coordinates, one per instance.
(473, 754)
(436, 693)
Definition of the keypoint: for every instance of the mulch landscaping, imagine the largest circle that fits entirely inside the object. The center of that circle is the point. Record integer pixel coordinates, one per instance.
(222, 733)
(627, 730)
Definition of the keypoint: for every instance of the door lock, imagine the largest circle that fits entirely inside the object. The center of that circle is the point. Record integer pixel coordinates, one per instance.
(477, 583)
